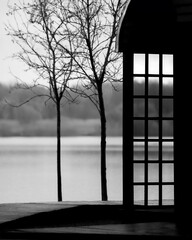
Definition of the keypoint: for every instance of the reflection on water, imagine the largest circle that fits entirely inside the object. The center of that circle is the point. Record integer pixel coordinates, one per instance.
(28, 169)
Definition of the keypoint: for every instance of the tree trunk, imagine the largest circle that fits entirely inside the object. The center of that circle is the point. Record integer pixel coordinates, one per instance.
(59, 184)
(103, 147)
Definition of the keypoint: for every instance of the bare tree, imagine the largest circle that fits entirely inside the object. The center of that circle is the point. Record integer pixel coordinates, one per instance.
(93, 26)
(40, 28)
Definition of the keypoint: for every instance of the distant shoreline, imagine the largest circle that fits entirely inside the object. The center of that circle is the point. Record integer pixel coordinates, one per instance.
(48, 128)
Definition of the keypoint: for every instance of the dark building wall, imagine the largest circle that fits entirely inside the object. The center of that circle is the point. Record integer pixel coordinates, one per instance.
(162, 27)
(183, 130)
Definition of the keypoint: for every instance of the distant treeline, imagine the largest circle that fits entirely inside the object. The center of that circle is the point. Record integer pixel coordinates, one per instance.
(38, 116)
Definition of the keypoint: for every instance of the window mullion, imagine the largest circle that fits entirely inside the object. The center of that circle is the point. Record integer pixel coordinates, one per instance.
(160, 125)
(146, 128)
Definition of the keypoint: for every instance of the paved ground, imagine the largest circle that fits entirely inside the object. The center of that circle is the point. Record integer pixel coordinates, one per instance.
(84, 220)
(9, 212)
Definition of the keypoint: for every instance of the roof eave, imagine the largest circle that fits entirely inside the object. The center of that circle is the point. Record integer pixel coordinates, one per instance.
(120, 25)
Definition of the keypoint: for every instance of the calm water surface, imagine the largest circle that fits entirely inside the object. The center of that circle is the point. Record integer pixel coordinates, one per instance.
(28, 169)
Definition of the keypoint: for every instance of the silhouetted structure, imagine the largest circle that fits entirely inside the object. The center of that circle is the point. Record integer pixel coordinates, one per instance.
(156, 41)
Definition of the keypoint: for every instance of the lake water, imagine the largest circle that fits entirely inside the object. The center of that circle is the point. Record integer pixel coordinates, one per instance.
(28, 170)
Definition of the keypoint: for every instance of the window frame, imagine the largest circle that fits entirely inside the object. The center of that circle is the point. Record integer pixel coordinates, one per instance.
(161, 138)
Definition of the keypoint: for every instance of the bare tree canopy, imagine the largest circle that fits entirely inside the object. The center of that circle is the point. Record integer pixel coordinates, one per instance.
(71, 40)
(93, 26)
(39, 28)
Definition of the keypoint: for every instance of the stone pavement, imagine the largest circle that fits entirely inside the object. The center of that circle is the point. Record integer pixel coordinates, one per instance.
(84, 220)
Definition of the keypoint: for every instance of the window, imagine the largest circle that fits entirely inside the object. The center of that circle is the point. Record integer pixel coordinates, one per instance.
(153, 129)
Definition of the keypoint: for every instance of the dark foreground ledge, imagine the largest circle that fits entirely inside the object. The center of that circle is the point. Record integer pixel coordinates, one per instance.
(85, 220)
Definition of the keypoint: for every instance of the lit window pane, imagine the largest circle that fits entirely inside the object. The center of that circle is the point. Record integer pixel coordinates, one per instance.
(139, 107)
(167, 86)
(153, 64)
(168, 195)
(153, 107)
(153, 86)
(167, 129)
(139, 86)
(167, 107)
(139, 195)
(139, 151)
(168, 149)
(139, 129)
(153, 195)
(153, 151)
(153, 129)
(139, 174)
(168, 172)
(153, 172)
(168, 64)
(139, 64)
